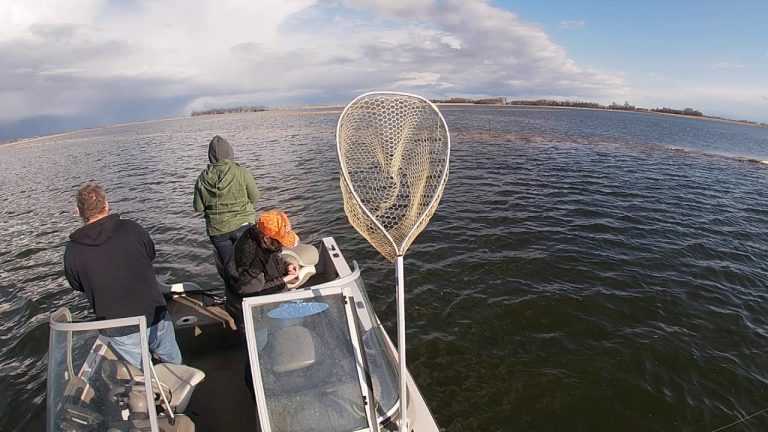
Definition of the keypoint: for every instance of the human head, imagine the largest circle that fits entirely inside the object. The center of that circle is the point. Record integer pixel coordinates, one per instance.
(275, 225)
(220, 149)
(91, 202)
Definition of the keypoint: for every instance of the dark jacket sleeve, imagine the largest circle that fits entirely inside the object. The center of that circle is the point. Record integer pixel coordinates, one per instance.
(247, 276)
(71, 272)
(256, 284)
(251, 188)
(250, 280)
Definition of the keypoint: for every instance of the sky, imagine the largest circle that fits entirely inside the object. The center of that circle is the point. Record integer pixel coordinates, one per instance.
(66, 65)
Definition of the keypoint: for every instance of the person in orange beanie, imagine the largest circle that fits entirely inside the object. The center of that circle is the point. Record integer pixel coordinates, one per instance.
(256, 266)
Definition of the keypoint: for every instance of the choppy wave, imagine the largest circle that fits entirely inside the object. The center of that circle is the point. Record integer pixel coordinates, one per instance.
(584, 268)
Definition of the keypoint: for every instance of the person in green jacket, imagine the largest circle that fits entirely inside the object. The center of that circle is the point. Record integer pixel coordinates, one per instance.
(226, 192)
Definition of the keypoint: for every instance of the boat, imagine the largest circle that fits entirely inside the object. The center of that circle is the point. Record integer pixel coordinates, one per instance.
(321, 362)
(316, 355)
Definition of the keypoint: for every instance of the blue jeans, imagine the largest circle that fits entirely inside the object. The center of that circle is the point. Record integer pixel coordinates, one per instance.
(162, 341)
(225, 243)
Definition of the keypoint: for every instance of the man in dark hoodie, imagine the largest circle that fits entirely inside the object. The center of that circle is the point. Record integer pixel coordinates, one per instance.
(110, 259)
(226, 192)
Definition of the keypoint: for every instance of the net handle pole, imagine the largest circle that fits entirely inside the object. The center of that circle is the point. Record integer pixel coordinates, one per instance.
(401, 342)
(162, 393)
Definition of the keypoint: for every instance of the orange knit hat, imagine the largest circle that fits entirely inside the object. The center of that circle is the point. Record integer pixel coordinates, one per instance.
(275, 224)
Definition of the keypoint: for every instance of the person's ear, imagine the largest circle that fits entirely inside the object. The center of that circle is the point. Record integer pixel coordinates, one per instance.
(106, 206)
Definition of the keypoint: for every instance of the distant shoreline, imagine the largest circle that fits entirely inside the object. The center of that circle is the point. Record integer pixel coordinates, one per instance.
(95, 128)
(320, 109)
(636, 111)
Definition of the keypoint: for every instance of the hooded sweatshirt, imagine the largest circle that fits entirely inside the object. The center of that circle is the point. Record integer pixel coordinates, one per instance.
(111, 261)
(225, 191)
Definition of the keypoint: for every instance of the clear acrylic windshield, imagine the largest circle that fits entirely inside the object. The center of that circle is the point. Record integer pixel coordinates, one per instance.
(309, 370)
(89, 388)
(381, 363)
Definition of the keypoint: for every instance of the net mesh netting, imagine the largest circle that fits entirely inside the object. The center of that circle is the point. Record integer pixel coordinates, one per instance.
(394, 150)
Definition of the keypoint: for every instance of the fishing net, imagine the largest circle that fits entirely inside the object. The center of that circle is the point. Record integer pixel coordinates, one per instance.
(394, 150)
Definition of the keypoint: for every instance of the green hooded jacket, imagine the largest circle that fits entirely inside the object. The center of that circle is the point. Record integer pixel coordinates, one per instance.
(225, 191)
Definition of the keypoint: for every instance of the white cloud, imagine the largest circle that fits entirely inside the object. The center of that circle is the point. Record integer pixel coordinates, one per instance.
(82, 56)
(451, 41)
(156, 72)
(18, 17)
(727, 65)
(415, 79)
(61, 72)
(391, 8)
(571, 24)
(476, 48)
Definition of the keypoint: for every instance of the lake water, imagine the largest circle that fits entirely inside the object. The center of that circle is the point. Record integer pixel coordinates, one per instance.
(585, 271)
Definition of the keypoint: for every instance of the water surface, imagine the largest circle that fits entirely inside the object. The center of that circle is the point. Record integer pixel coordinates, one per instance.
(586, 270)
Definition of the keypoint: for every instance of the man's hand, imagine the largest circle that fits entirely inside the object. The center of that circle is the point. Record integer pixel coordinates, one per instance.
(292, 273)
(291, 269)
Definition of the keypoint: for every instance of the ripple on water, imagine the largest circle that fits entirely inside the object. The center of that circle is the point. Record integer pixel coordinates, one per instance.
(578, 271)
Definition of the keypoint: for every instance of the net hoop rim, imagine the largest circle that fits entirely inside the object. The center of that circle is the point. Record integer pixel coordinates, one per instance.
(443, 180)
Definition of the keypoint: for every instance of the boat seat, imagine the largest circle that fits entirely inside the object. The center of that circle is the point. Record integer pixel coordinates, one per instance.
(177, 381)
(182, 380)
(306, 257)
(181, 423)
(290, 349)
(330, 408)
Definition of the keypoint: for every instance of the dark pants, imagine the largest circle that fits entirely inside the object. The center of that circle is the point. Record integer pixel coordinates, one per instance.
(225, 245)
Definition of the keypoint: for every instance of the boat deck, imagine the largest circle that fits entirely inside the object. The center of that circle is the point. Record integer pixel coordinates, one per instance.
(221, 402)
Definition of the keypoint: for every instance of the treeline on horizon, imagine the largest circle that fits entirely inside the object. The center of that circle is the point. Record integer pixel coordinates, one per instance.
(240, 109)
(579, 104)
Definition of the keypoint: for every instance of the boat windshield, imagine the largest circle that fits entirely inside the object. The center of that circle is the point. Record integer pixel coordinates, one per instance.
(89, 388)
(310, 372)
